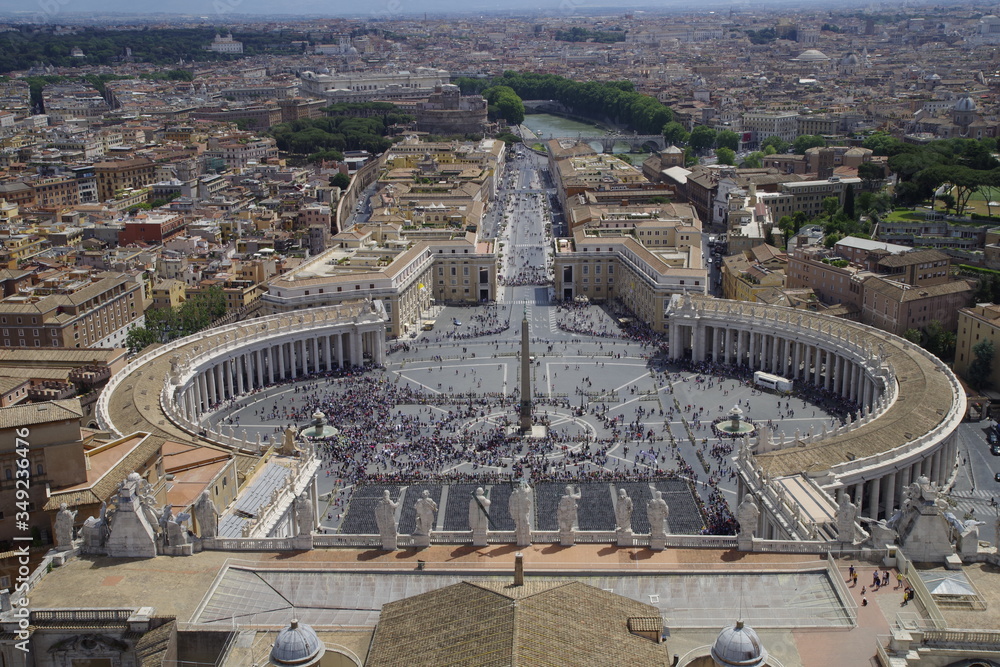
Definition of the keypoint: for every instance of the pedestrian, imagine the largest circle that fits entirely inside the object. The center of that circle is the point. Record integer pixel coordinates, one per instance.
(899, 580)
(850, 570)
(854, 579)
(864, 602)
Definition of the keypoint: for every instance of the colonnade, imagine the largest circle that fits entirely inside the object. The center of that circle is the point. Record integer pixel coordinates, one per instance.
(905, 428)
(263, 363)
(822, 364)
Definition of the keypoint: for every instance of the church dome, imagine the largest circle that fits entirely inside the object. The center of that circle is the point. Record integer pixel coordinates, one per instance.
(739, 646)
(850, 60)
(297, 645)
(965, 104)
(812, 55)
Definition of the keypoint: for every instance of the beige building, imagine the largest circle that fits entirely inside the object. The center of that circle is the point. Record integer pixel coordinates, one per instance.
(641, 260)
(78, 308)
(976, 324)
(404, 274)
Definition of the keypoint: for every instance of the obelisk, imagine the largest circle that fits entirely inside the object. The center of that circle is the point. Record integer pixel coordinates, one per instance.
(525, 377)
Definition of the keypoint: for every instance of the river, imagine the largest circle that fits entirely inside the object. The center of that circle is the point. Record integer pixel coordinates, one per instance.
(547, 126)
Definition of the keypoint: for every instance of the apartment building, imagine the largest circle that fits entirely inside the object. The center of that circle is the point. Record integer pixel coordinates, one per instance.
(121, 174)
(976, 324)
(73, 308)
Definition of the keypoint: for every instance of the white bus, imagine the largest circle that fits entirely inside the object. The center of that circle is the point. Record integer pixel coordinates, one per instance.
(775, 382)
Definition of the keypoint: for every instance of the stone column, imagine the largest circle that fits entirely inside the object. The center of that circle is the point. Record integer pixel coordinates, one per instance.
(674, 342)
(203, 392)
(818, 366)
(328, 354)
(873, 497)
(857, 495)
(340, 350)
(935, 475)
(239, 374)
(752, 357)
(212, 395)
(797, 361)
(379, 353)
(357, 355)
(890, 493)
(281, 361)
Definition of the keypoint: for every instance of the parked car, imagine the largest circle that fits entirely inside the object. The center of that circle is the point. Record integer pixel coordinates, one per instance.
(457, 322)
(991, 437)
(995, 450)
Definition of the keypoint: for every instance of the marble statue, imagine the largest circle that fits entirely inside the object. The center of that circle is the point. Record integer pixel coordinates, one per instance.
(520, 511)
(172, 527)
(623, 512)
(304, 519)
(657, 512)
(747, 515)
(425, 508)
(479, 511)
(566, 511)
(847, 514)
(288, 447)
(207, 515)
(64, 527)
(385, 519)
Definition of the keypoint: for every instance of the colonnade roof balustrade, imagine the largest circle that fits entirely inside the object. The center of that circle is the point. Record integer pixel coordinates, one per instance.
(928, 406)
(132, 399)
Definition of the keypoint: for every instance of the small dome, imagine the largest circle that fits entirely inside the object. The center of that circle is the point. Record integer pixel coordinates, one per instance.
(739, 646)
(965, 104)
(850, 59)
(932, 77)
(297, 645)
(812, 55)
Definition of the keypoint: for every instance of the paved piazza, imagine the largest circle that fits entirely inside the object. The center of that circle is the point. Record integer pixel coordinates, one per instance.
(616, 410)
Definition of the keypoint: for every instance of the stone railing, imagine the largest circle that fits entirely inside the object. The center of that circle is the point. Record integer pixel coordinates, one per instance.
(904, 565)
(250, 544)
(552, 537)
(978, 640)
(115, 615)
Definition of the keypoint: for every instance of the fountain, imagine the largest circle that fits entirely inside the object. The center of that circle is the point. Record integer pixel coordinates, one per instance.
(318, 429)
(736, 425)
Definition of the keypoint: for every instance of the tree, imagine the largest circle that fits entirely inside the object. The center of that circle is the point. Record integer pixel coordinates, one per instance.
(727, 139)
(702, 138)
(871, 174)
(804, 142)
(774, 146)
(674, 133)
(981, 367)
(340, 180)
(849, 202)
(939, 341)
(947, 200)
(753, 161)
(139, 338)
(830, 206)
(913, 335)
(725, 155)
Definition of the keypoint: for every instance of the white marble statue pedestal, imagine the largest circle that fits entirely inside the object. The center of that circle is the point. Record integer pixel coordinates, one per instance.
(624, 537)
(657, 543)
(567, 538)
(479, 538)
(538, 432)
(421, 540)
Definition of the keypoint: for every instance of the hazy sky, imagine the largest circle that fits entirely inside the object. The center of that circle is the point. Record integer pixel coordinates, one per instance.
(219, 9)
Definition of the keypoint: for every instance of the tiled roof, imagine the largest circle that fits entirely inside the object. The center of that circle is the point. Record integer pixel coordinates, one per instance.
(40, 413)
(496, 623)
